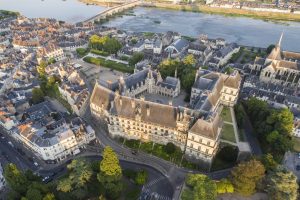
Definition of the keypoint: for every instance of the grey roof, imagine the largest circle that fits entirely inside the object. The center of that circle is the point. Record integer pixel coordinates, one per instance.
(180, 44)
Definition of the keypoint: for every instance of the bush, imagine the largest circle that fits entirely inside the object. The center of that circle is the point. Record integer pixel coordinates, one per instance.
(224, 186)
(98, 52)
(170, 148)
(134, 144)
(136, 57)
(82, 51)
(141, 177)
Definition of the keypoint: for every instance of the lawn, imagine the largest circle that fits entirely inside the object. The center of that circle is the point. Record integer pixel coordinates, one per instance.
(296, 144)
(226, 115)
(228, 133)
(109, 64)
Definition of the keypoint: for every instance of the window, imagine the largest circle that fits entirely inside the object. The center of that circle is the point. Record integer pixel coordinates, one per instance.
(191, 145)
(208, 143)
(206, 151)
(193, 138)
(200, 140)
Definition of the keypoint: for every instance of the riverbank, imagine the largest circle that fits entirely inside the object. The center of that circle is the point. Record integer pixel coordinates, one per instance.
(233, 12)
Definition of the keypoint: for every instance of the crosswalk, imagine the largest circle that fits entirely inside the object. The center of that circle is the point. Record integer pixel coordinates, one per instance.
(148, 194)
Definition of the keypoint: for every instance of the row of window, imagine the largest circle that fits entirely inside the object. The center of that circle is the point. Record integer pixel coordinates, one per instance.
(200, 141)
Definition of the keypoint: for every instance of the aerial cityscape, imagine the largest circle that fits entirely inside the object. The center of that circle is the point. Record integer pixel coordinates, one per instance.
(149, 99)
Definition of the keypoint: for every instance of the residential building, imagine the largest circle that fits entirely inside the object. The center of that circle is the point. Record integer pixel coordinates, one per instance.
(177, 47)
(46, 133)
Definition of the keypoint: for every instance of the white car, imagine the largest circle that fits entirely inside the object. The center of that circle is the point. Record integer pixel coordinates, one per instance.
(36, 164)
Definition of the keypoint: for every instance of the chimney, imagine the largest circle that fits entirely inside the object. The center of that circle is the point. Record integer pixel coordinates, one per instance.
(170, 102)
(132, 103)
(111, 104)
(148, 110)
(120, 101)
(142, 98)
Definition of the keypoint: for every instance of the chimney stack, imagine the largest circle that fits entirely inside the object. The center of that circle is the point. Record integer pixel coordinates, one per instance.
(148, 110)
(132, 103)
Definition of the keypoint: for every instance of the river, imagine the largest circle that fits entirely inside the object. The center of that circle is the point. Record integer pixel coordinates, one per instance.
(66, 10)
(242, 30)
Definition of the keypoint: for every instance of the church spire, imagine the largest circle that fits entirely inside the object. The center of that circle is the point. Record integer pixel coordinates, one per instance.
(280, 40)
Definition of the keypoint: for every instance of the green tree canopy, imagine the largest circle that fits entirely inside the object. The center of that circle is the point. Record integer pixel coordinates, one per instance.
(15, 178)
(224, 186)
(141, 177)
(269, 162)
(246, 175)
(282, 184)
(170, 148)
(105, 43)
(135, 58)
(201, 187)
(110, 173)
(80, 173)
(37, 95)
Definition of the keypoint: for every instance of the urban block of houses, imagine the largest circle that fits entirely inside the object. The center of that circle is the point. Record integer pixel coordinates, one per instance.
(75, 92)
(49, 136)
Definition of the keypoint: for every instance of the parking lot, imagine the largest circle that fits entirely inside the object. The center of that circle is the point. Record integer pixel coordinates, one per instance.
(291, 161)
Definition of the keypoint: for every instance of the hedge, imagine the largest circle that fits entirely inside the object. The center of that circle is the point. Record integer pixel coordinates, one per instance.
(109, 64)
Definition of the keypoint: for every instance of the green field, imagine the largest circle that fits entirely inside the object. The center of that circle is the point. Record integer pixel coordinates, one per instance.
(228, 133)
(226, 115)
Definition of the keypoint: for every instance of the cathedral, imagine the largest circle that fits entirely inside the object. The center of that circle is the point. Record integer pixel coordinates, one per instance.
(280, 67)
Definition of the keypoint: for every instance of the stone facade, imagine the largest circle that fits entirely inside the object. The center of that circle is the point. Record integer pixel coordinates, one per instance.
(280, 67)
(195, 131)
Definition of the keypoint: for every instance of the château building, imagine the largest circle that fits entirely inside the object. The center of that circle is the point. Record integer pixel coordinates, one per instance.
(128, 114)
(280, 67)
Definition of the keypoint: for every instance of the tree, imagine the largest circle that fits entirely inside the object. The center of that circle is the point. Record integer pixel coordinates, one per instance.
(37, 95)
(105, 43)
(110, 173)
(224, 186)
(269, 162)
(189, 60)
(228, 153)
(49, 196)
(246, 175)
(34, 193)
(270, 48)
(42, 68)
(201, 187)
(141, 177)
(64, 185)
(136, 57)
(15, 178)
(282, 184)
(80, 173)
(170, 148)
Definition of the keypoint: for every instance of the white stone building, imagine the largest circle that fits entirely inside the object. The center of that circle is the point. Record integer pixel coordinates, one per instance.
(196, 131)
(48, 135)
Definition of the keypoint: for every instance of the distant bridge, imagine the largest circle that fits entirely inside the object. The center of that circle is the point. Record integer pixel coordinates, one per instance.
(113, 10)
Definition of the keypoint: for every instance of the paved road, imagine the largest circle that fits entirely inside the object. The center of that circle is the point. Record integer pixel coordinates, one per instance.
(253, 142)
